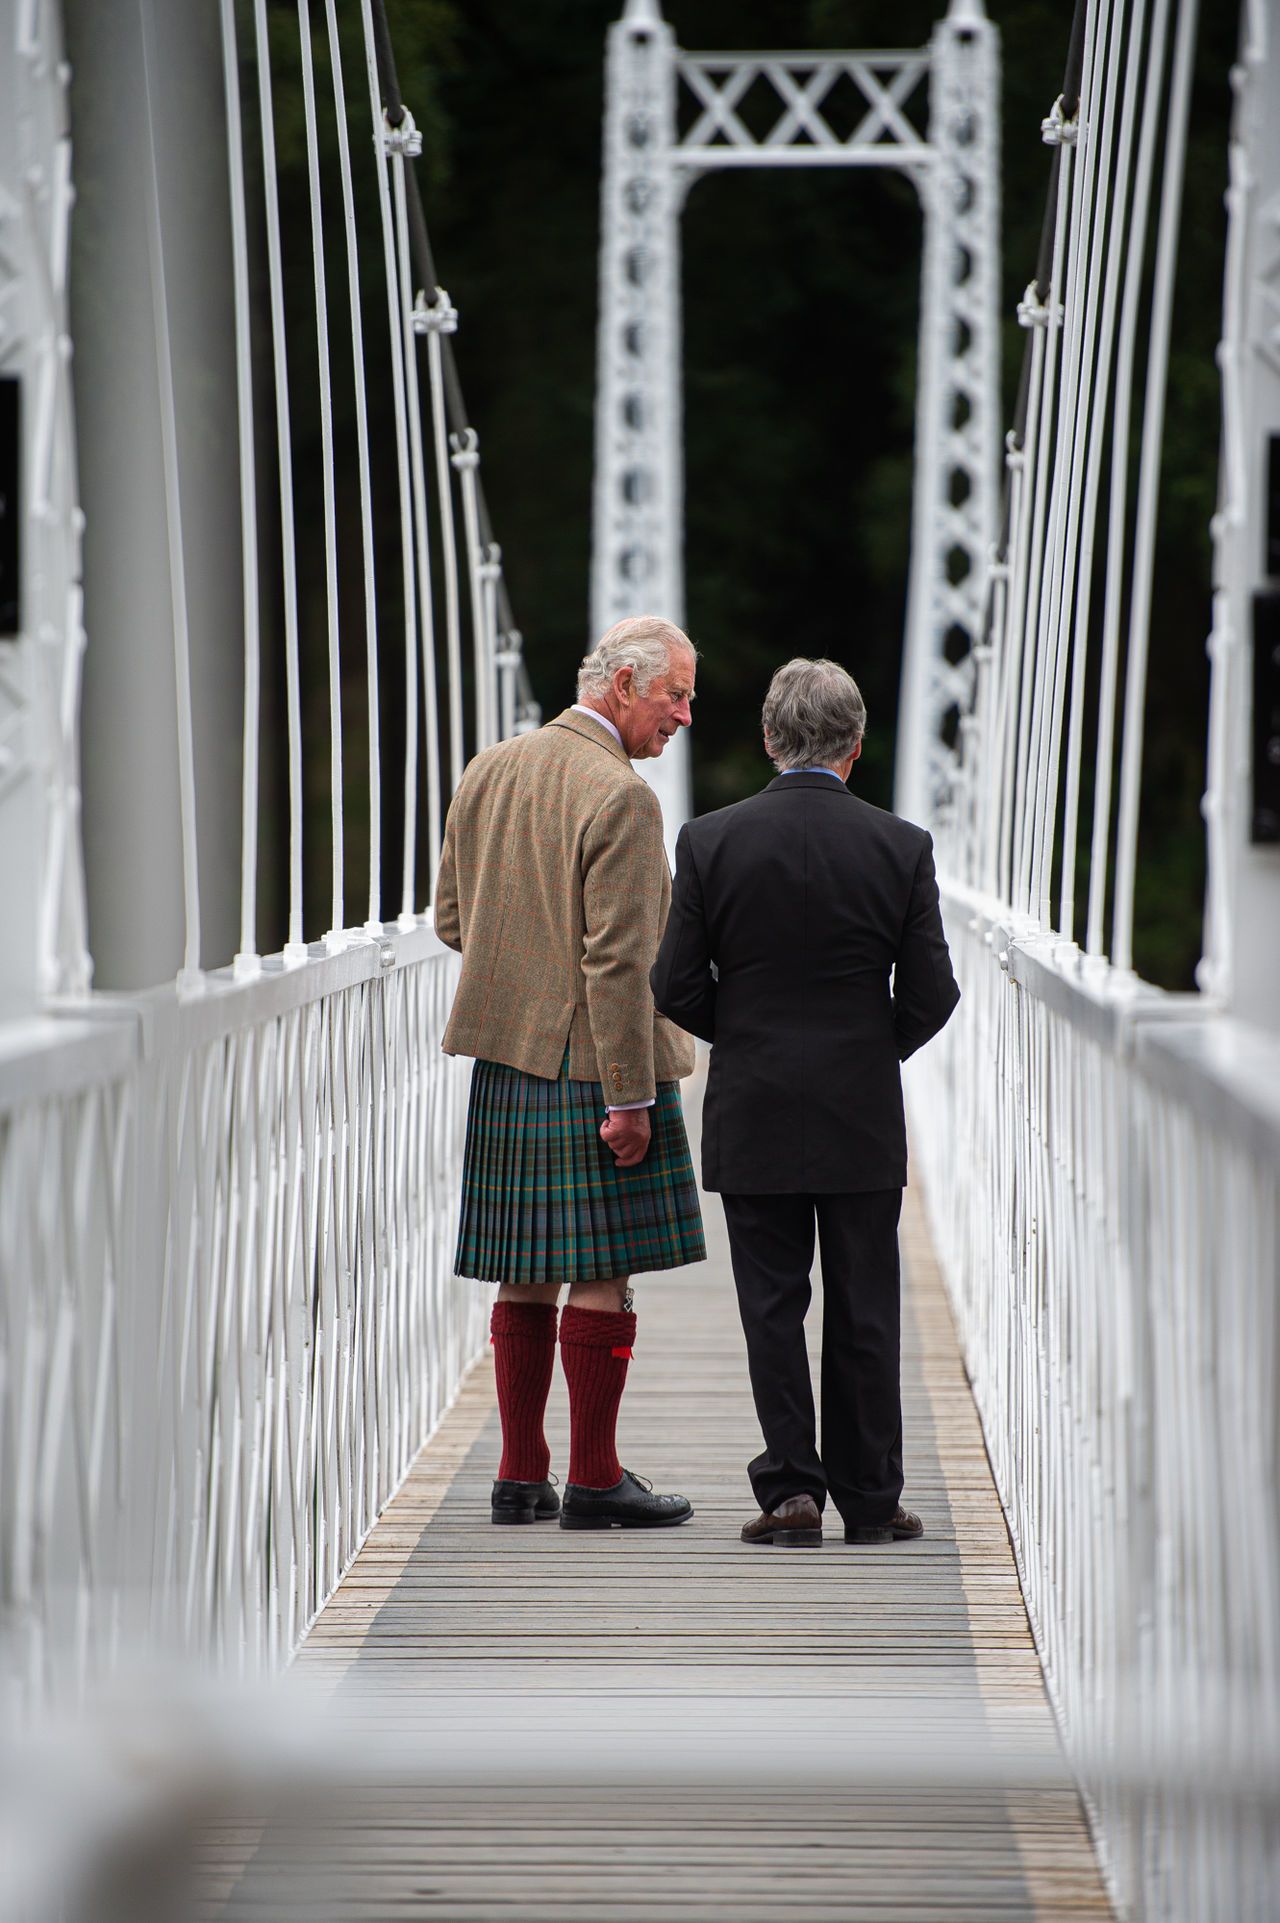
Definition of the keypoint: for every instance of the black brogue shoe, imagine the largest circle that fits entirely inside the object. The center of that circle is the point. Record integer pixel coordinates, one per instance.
(630, 1504)
(523, 1501)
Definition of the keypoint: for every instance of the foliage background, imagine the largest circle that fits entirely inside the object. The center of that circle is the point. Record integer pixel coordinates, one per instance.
(800, 312)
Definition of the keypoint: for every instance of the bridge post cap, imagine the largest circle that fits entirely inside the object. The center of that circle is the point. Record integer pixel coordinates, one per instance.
(642, 13)
(967, 13)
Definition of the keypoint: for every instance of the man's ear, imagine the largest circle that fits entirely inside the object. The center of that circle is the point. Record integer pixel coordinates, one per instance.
(622, 680)
(857, 749)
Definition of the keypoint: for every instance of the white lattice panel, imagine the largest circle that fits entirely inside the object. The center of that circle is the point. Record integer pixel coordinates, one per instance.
(229, 1314)
(1101, 1177)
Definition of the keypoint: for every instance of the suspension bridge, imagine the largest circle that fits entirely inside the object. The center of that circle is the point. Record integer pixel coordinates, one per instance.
(246, 1418)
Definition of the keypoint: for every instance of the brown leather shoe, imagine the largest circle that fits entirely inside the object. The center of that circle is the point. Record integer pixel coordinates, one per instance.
(902, 1527)
(793, 1524)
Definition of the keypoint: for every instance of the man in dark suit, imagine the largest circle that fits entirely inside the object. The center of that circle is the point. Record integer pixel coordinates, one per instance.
(805, 943)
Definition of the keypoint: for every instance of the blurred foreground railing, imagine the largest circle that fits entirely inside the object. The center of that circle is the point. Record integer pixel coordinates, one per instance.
(1100, 1168)
(229, 1317)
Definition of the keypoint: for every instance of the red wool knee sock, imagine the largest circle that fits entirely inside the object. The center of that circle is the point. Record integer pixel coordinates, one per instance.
(524, 1355)
(595, 1348)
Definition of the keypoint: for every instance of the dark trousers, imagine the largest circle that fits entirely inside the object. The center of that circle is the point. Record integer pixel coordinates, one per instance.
(771, 1239)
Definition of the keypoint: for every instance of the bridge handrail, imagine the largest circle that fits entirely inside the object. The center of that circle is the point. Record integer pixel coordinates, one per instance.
(1101, 1168)
(1187, 1043)
(229, 1312)
(80, 1043)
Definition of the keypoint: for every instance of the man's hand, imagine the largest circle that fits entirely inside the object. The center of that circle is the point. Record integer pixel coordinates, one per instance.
(626, 1131)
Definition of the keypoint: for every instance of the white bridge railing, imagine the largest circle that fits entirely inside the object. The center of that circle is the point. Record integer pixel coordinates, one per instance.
(227, 1313)
(229, 1317)
(1101, 1160)
(1101, 1183)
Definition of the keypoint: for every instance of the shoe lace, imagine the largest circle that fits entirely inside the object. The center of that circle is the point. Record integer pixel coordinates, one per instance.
(643, 1481)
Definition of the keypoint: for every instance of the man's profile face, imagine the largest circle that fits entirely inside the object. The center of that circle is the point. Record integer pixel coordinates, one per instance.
(647, 721)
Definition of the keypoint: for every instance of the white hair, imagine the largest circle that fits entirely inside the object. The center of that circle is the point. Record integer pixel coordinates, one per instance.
(813, 715)
(644, 643)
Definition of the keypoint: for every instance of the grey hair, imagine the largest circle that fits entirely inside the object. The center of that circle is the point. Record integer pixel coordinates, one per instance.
(643, 642)
(813, 715)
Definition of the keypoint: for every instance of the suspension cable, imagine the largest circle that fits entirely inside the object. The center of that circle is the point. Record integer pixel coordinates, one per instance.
(408, 581)
(337, 913)
(190, 977)
(1118, 214)
(247, 958)
(449, 381)
(295, 947)
(1149, 484)
(1081, 316)
(363, 471)
(1119, 477)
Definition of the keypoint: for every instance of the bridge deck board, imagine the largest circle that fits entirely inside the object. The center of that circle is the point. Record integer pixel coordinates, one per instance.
(442, 1609)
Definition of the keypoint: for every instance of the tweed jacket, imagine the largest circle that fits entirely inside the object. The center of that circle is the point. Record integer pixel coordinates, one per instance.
(554, 887)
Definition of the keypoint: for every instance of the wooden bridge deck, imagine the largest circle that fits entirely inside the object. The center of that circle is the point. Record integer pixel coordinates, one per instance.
(676, 1725)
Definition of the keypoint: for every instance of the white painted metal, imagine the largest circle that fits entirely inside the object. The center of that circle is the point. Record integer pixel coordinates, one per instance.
(1105, 266)
(422, 569)
(434, 320)
(337, 911)
(246, 960)
(190, 975)
(362, 468)
(295, 946)
(228, 1314)
(801, 136)
(957, 412)
(392, 148)
(465, 458)
(42, 948)
(637, 557)
(1243, 912)
(226, 1310)
(1148, 482)
(1102, 1160)
(1100, 1168)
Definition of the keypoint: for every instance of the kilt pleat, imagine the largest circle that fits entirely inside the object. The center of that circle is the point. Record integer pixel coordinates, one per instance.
(543, 1199)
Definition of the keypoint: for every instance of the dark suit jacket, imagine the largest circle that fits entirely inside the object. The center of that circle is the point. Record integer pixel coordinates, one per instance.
(806, 900)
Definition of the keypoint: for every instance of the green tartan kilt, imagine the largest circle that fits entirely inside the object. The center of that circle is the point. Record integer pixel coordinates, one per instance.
(543, 1199)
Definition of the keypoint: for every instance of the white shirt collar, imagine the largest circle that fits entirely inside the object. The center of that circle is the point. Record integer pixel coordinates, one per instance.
(603, 719)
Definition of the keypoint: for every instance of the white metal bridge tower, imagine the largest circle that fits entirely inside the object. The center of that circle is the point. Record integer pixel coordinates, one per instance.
(649, 166)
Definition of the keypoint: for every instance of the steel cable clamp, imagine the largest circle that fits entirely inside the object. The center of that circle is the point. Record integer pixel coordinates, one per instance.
(439, 316)
(1056, 130)
(403, 139)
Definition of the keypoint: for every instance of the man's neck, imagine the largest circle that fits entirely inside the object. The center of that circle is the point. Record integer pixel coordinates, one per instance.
(598, 705)
(599, 712)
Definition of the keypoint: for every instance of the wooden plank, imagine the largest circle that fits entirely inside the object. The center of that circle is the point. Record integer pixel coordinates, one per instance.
(501, 1627)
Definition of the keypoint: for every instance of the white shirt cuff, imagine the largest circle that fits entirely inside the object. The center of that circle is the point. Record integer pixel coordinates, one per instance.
(620, 1108)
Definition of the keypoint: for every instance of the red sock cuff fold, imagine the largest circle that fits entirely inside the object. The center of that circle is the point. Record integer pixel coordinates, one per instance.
(536, 1321)
(597, 1328)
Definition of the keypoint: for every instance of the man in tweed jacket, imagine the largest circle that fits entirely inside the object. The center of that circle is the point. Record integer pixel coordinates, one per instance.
(554, 887)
